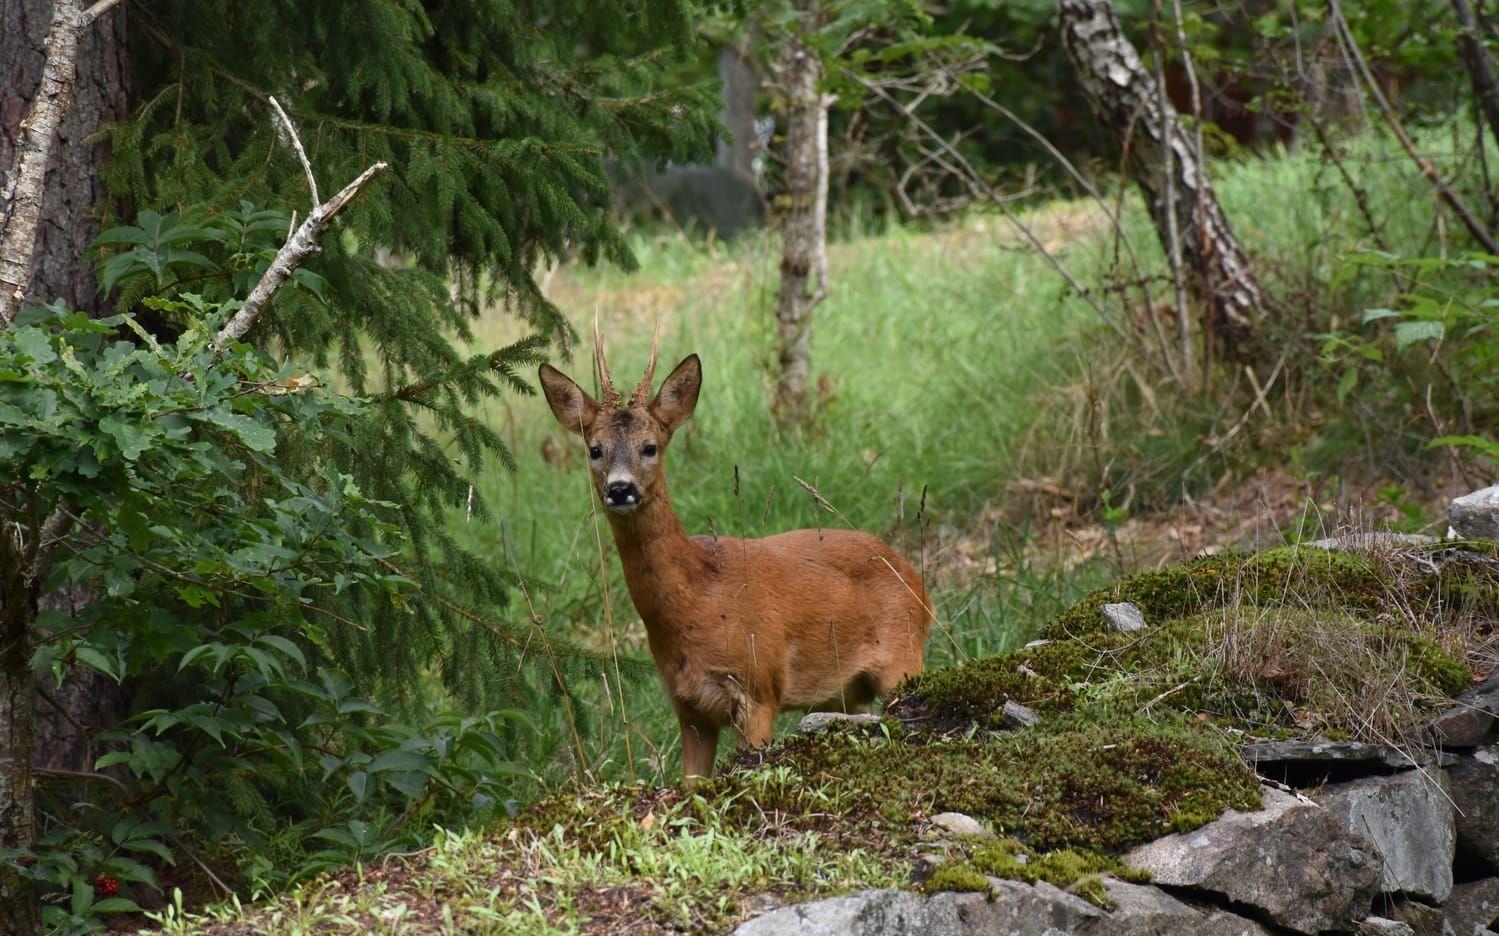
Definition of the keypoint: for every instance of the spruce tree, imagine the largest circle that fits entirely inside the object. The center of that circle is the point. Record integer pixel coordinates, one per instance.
(499, 120)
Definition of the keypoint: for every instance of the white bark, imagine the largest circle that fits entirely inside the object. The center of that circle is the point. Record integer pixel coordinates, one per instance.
(302, 244)
(1166, 167)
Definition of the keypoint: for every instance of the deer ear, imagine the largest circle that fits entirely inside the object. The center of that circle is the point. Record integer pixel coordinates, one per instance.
(573, 408)
(678, 395)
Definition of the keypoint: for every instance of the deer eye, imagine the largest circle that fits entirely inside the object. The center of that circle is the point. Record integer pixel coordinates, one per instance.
(595, 452)
(649, 450)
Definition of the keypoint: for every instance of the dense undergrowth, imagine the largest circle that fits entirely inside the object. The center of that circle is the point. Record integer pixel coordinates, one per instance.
(1113, 762)
(969, 401)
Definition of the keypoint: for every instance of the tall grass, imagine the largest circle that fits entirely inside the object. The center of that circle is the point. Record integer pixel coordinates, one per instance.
(950, 364)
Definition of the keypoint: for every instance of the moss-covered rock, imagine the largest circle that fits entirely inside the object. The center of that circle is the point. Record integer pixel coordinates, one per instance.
(1279, 644)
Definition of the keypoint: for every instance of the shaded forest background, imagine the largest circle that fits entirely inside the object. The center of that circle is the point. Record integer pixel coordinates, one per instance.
(295, 600)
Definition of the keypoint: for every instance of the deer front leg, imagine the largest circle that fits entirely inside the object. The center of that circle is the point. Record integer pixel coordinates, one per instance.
(758, 723)
(699, 745)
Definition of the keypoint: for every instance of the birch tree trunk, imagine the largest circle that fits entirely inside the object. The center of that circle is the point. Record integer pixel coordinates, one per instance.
(804, 264)
(1164, 164)
(73, 197)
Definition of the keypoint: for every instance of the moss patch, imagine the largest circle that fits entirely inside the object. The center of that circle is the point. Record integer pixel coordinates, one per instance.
(1284, 643)
(1080, 872)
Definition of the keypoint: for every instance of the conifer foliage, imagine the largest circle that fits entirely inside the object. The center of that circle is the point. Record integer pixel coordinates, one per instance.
(498, 119)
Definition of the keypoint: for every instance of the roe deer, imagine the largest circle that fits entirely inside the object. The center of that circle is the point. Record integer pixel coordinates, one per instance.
(739, 628)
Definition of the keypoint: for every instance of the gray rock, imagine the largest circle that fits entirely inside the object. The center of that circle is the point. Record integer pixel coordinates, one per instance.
(1292, 859)
(1475, 794)
(1349, 753)
(1471, 719)
(818, 722)
(1016, 716)
(1140, 910)
(1408, 817)
(1476, 515)
(1473, 908)
(1010, 908)
(961, 824)
(1379, 926)
(1124, 616)
(1423, 919)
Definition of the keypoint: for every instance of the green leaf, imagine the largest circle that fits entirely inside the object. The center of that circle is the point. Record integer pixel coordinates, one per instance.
(1408, 333)
(115, 905)
(130, 438)
(399, 760)
(256, 435)
(1374, 315)
(36, 343)
(358, 784)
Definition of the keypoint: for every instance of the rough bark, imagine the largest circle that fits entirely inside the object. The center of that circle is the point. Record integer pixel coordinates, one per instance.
(804, 265)
(73, 197)
(20, 913)
(1476, 59)
(741, 86)
(1126, 99)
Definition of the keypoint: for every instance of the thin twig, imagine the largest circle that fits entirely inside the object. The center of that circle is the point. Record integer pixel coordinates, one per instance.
(1459, 208)
(296, 144)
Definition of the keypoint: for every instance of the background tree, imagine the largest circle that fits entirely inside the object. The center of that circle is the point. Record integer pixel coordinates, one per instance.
(1167, 167)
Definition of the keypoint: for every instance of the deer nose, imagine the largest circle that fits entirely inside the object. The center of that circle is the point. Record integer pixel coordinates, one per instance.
(622, 494)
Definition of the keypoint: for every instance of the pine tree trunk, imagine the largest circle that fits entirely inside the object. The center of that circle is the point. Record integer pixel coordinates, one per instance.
(74, 195)
(1126, 99)
(804, 265)
(19, 910)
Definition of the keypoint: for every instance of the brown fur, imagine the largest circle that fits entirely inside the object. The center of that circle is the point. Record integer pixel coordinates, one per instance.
(742, 628)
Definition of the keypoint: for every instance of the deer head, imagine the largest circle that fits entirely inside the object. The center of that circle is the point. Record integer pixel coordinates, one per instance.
(626, 439)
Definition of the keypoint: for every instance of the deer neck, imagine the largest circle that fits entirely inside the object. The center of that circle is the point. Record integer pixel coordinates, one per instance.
(659, 560)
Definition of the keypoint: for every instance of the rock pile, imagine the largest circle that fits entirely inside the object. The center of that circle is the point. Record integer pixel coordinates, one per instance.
(1362, 839)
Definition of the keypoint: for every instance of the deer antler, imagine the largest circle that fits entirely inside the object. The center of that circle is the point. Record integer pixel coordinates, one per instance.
(610, 396)
(642, 394)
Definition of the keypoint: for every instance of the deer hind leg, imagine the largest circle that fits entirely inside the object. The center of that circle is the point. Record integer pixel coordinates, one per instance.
(699, 745)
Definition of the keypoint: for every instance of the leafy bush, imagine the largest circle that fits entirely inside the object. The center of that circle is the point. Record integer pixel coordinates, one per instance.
(216, 572)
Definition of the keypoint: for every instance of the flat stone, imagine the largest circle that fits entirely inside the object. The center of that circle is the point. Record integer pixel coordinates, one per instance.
(1408, 817)
(818, 722)
(1351, 753)
(1475, 794)
(1010, 908)
(1379, 926)
(1293, 860)
(1142, 910)
(1016, 716)
(1476, 515)
(961, 824)
(1473, 907)
(1471, 719)
(1123, 616)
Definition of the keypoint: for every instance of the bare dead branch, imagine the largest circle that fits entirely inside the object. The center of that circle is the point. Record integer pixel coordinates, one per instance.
(296, 144)
(1459, 208)
(982, 186)
(298, 247)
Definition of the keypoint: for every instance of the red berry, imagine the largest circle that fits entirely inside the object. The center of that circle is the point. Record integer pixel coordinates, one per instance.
(106, 886)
